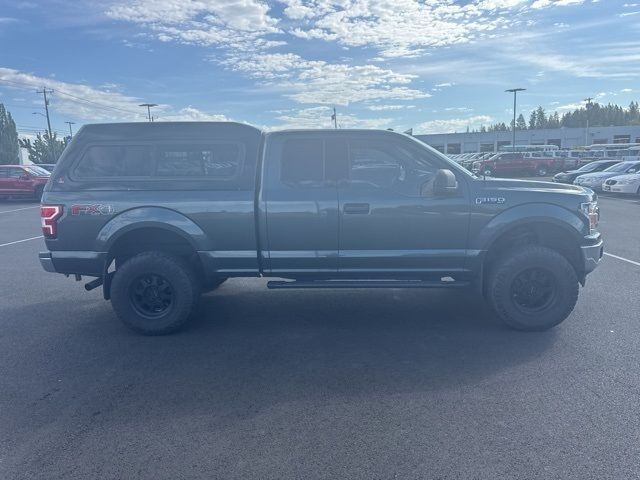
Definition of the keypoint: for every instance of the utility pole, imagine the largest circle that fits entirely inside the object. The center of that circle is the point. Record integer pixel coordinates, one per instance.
(148, 105)
(44, 92)
(515, 94)
(334, 117)
(586, 131)
(70, 130)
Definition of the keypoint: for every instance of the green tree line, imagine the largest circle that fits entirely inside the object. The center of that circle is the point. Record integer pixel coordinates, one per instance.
(42, 149)
(597, 115)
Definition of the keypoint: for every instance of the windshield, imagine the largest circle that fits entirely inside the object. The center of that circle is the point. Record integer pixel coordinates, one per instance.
(37, 171)
(589, 167)
(620, 167)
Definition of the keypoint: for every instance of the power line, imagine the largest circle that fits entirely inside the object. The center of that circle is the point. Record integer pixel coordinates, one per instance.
(70, 95)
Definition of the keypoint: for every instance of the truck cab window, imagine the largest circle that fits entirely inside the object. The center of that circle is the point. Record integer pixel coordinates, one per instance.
(389, 166)
(302, 162)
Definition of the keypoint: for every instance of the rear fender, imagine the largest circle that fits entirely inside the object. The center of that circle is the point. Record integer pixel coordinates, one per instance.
(151, 217)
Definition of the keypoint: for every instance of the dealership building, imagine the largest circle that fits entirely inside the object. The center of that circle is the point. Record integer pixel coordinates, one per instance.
(453, 143)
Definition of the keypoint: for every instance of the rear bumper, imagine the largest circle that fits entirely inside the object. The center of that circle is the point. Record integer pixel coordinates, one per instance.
(592, 254)
(81, 263)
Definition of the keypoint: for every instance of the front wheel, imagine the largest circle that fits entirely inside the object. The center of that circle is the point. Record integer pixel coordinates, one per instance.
(541, 171)
(487, 172)
(533, 288)
(154, 293)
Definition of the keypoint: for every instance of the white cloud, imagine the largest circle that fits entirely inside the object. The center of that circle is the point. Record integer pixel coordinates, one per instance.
(452, 125)
(320, 117)
(92, 104)
(382, 108)
(626, 90)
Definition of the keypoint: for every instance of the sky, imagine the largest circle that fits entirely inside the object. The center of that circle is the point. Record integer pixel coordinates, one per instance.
(432, 65)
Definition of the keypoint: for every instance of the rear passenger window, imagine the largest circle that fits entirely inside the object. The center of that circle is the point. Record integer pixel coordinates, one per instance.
(116, 161)
(302, 161)
(211, 161)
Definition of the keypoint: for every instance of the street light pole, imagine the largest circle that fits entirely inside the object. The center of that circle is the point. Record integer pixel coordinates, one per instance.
(586, 132)
(513, 127)
(148, 105)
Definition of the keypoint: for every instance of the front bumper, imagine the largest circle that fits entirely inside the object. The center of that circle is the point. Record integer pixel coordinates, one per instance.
(592, 254)
(71, 263)
(617, 188)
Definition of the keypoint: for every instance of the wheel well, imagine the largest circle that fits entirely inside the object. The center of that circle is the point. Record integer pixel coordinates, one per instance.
(543, 234)
(154, 239)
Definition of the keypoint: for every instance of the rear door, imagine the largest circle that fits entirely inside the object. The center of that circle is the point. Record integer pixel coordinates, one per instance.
(4, 180)
(300, 199)
(18, 181)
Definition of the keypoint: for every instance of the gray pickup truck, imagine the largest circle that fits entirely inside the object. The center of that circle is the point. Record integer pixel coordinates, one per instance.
(160, 212)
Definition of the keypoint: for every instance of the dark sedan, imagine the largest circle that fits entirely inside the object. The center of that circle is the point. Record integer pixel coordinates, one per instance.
(571, 175)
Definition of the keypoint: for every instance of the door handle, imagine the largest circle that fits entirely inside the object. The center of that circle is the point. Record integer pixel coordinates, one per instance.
(356, 208)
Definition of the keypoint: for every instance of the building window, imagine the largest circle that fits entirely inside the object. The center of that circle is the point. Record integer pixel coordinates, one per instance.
(486, 147)
(555, 141)
(600, 141)
(621, 138)
(453, 148)
(503, 144)
(440, 148)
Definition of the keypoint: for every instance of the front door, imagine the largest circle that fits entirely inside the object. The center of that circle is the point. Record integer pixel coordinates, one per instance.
(300, 201)
(391, 223)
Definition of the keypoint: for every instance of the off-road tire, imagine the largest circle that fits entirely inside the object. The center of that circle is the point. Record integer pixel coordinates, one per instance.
(518, 261)
(178, 274)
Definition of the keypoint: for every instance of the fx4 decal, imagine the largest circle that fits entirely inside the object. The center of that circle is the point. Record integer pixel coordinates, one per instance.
(96, 209)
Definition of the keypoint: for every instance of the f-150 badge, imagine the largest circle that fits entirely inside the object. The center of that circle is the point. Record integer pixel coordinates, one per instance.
(490, 200)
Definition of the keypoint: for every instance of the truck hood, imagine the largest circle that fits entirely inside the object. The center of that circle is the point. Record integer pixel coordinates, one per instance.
(532, 185)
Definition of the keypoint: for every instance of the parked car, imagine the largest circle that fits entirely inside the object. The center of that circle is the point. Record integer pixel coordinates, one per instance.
(629, 184)
(47, 166)
(512, 164)
(159, 212)
(22, 181)
(596, 179)
(571, 175)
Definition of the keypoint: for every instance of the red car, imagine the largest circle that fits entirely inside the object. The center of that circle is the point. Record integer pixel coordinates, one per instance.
(22, 181)
(514, 164)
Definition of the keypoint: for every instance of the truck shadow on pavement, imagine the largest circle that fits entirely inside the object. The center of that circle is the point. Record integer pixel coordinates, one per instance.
(250, 348)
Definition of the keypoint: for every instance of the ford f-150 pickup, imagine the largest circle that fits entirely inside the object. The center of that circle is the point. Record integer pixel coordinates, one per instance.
(157, 213)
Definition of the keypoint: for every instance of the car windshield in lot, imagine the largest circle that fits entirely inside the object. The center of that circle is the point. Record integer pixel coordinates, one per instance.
(621, 167)
(37, 171)
(590, 167)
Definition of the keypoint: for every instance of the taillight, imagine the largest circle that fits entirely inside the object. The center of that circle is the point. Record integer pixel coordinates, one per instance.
(49, 215)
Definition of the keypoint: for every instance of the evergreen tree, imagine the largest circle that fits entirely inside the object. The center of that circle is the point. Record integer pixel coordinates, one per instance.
(521, 123)
(533, 120)
(9, 148)
(43, 149)
(541, 118)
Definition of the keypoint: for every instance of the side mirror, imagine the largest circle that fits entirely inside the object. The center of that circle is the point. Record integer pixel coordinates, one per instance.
(24, 177)
(445, 183)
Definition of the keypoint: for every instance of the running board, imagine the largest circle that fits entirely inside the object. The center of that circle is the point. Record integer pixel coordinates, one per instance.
(283, 284)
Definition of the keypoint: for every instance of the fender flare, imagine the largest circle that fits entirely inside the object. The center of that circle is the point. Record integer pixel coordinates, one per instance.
(521, 215)
(151, 217)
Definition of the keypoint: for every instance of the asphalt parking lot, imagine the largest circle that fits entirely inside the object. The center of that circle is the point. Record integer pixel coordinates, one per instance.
(317, 384)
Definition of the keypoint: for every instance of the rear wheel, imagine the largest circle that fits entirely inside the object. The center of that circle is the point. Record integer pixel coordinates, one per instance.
(154, 293)
(541, 171)
(532, 288)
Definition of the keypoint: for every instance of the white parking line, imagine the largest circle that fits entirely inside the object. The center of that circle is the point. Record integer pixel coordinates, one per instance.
(19, 209)
(20, 241)
(637, 264)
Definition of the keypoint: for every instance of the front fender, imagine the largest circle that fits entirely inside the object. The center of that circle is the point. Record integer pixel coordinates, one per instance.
(151, 217)
(525, 214)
